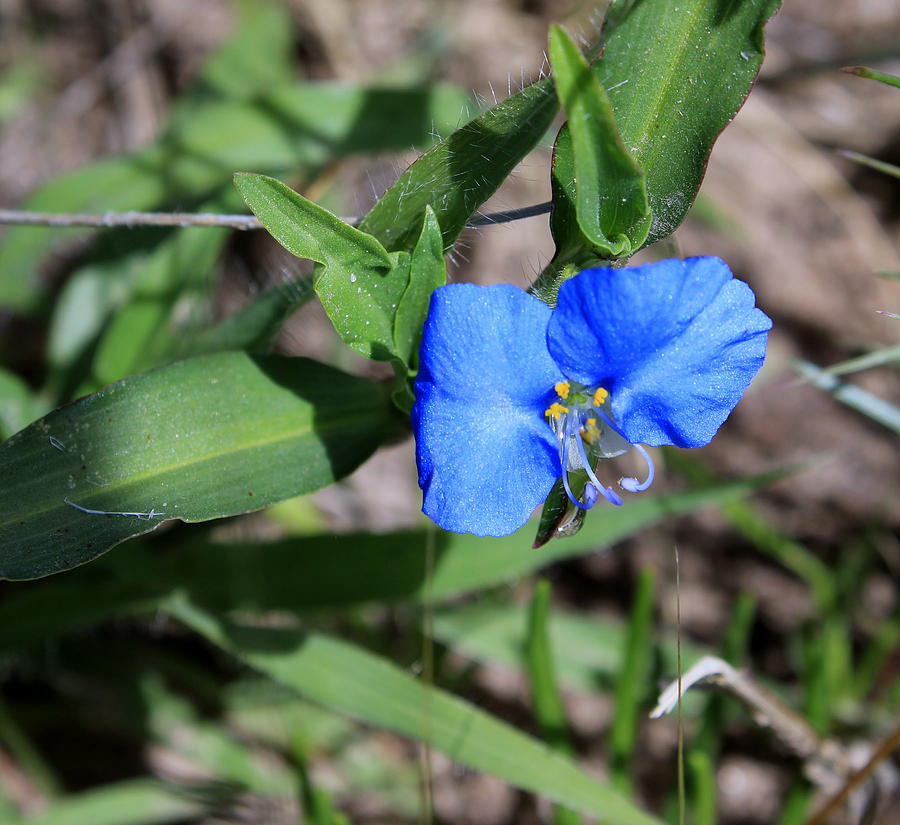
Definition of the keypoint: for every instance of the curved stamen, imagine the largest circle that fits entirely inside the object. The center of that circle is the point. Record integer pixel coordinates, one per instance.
(607, 492)
(629, 483)
(632, 484)
(564, 441)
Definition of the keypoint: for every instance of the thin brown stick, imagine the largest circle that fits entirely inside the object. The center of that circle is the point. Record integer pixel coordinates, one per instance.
(107, 220)
(856, 779)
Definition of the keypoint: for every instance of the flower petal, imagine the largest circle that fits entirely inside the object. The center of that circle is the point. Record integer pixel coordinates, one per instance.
(675, 342)
(485, 453)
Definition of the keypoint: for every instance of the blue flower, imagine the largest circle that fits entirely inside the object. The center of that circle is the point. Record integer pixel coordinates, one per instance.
(511, 395)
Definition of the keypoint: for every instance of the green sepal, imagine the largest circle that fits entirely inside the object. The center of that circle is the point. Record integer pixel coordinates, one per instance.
(559, 517)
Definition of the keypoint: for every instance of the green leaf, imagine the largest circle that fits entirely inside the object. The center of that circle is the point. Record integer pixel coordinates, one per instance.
(90, 296)
(428, 271)
(352, 681)
(610, 192)
(359, 286)
(200, 439)
(675, 80)
(871, 74)
(464, 170)
(131, 802)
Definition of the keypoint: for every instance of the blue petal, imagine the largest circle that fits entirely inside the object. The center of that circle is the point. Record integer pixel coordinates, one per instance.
(675, 342)
(485, 453)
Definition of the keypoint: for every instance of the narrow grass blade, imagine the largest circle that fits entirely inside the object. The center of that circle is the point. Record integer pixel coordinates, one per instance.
(871, 74)
(872, 163)
(702, 775)
(734, 651)
(885, 413)
(132, 802)
(548, 706)
(352, 681)
(752, 526)
(546, 699)
(878, 358)
(25, 755)
(633, 684)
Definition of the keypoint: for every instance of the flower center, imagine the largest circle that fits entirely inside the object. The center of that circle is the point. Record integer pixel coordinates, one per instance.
(586, 433)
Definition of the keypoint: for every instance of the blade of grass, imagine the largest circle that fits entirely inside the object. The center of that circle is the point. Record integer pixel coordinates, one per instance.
(796, 803)
(878, 358)
(132, 802)
(633, 683)
(754, 528)
(703, 779)
(871, 74)
(352, 681)
(872, 163)
(856, 398)
(734, 651)
(704, 752)
(548, 704)
(588, 651)
(26, 754)
(547, 701)
(885, 641)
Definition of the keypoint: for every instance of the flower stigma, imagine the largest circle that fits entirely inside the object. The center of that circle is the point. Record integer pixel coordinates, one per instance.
(585, 432)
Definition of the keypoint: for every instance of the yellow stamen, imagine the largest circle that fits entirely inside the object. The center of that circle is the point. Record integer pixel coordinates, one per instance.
(555, 410)
(562, 389)
(600, 397)
(590, 432)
